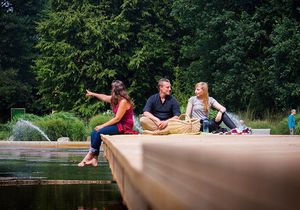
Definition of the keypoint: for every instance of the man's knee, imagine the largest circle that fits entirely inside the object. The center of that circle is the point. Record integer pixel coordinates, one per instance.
(144, 120)
(147, 123)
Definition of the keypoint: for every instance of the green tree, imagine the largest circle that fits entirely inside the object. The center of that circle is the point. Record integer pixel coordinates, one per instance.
(17, 39)
(87, 44)
(247, 51)
(283, 59)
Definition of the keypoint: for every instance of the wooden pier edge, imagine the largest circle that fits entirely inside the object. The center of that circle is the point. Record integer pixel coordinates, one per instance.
(122, 171)
(139, 191)
(205, 172)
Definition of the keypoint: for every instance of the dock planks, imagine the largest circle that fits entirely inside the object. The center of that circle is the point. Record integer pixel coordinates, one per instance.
(206, 171)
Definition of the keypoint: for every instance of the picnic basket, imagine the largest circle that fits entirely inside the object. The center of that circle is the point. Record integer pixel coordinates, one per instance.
(181, 126)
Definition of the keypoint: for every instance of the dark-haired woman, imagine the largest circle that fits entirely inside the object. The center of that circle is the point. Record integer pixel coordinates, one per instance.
(121, 123)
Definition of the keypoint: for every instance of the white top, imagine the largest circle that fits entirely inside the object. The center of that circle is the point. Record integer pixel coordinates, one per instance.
(198, 110)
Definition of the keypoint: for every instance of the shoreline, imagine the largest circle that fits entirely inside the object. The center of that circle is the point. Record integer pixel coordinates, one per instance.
(45, 144)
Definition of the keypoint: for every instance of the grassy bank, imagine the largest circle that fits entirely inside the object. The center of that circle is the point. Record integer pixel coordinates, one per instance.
(277, 123)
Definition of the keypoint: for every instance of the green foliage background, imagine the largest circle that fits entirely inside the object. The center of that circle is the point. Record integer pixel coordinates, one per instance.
(248, 51)
(17, 53)
(87, 44)
(53, 50)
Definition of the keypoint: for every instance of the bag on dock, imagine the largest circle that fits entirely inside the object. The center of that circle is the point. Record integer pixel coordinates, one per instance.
(181, 126)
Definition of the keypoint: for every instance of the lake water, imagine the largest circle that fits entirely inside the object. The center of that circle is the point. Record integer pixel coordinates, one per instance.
(43, 178)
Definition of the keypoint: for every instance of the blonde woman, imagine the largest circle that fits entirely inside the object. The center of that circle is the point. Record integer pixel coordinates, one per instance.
(199, 106)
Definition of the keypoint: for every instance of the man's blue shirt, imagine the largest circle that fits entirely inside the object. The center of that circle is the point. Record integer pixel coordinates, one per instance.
(291, 121)
(162, 111)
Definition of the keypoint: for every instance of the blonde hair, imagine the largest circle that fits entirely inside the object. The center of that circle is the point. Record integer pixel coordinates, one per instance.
(204, 97)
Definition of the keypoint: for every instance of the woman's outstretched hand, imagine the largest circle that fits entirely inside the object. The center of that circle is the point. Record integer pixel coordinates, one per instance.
(89, 93)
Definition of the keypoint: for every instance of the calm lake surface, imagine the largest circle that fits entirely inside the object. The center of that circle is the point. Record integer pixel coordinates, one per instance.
(35, 179)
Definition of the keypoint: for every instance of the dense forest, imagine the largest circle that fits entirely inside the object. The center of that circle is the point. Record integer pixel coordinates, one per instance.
(51, 51)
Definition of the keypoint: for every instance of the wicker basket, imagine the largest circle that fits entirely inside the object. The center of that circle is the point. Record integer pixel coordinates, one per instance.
(177, 126)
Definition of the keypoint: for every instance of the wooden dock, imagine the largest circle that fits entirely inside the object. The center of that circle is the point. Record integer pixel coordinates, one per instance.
(206, 171)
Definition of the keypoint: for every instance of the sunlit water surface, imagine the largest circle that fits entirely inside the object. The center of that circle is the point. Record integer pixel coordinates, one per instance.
(55, 164)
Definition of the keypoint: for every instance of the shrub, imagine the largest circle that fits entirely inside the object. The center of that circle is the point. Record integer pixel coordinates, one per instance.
(28, 117)
(4, 127)
(63, 124)
(281, 127)
(4, 135)
(4, 131)
(61, 115)
(25, 116)
(298, 124)
(259, 124)
(98, 120)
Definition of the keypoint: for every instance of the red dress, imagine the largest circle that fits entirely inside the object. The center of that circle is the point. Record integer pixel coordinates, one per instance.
(125, 125)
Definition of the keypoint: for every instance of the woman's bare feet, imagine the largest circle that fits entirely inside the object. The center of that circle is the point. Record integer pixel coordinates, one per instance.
(89, 156)
(93, 162)
(81, 164)
(89, 160)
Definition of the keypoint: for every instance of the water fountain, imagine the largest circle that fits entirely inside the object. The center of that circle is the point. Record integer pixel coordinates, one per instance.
(236, 119)
(52, 172)
(137, 125)
(24, 130)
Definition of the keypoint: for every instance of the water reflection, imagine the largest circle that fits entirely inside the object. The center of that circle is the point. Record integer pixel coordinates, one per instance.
(49, 164)
(55, 164)
(67, 197)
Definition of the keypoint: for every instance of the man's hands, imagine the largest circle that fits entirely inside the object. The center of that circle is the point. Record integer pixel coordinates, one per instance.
(162, 124)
